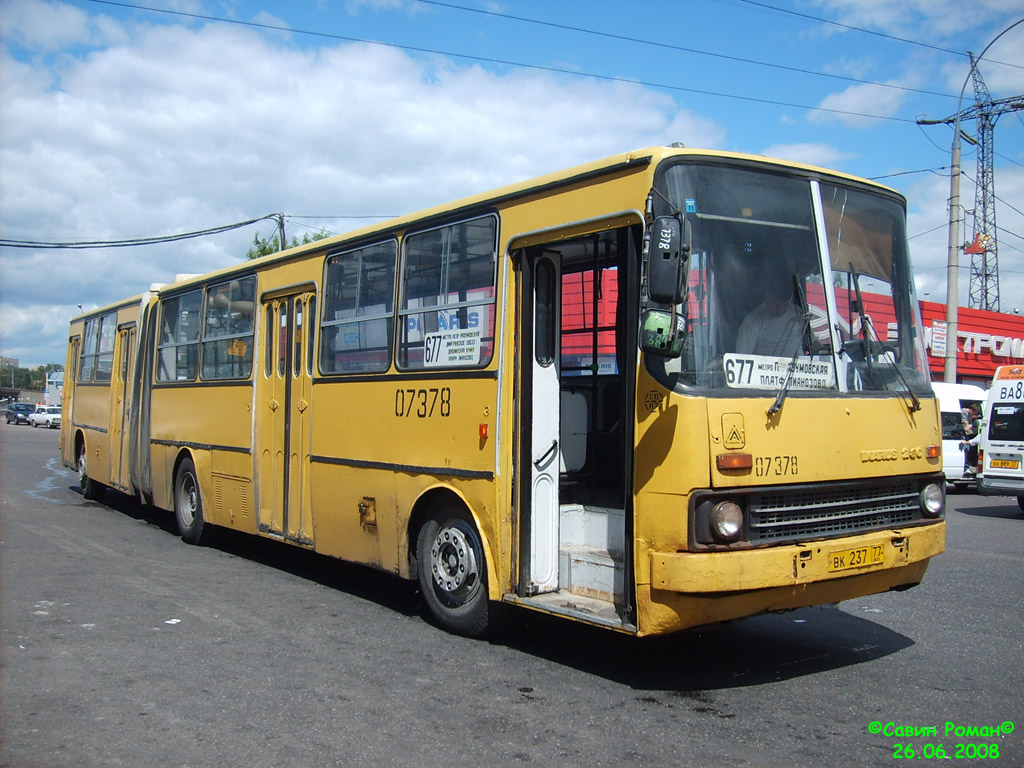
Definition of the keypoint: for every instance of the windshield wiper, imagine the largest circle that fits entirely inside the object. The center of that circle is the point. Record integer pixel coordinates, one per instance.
(805, 313)
(915, 403)
(805, 338)
(780, 398)
(871, 343)
(865, 321)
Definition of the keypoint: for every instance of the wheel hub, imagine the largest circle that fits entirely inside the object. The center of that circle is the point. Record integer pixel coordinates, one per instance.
(452, 560)
(188, 496)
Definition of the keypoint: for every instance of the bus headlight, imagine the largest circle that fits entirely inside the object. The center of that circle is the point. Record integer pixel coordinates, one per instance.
(726, 521)
(933, 500)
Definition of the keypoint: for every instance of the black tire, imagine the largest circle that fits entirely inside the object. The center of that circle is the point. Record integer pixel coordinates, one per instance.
(453, 572)
(1020, 503)
(91, 489)
(188, 506)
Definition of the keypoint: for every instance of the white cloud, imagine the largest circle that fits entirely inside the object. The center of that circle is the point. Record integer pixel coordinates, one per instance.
(170, 129)
(853, 105)
(927, 227)
(947, 25)
(824, 155)
(919, 19)
(44, 26)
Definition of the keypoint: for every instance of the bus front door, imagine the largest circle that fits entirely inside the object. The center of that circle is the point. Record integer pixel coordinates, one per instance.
(576, 359)
(284, 393)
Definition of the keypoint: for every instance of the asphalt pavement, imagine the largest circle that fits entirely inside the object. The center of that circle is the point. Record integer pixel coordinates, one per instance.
(122, 646)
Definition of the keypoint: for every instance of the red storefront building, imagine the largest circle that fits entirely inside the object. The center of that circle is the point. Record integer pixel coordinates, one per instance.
(985, 340)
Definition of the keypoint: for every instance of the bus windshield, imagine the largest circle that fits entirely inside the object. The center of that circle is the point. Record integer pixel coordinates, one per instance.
(792, 282)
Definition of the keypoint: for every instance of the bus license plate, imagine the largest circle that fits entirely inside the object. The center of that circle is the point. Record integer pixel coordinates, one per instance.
(856, 558)
(1004, 464)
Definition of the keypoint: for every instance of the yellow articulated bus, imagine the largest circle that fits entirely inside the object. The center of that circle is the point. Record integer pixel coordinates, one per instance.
(645, 393)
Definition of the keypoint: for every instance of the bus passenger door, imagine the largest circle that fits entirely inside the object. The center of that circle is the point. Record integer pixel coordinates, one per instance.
(543, 438)
(576, 366)
(120, 406)
(298, 517)
(67, 411)
(283, 425)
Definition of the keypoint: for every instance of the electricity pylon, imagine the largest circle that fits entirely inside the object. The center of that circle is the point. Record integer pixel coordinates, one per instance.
(984, 244)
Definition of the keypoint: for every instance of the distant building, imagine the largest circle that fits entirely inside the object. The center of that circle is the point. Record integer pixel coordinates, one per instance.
(54, 387)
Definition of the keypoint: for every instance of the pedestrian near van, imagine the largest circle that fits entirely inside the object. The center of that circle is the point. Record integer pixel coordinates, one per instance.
(972, 433)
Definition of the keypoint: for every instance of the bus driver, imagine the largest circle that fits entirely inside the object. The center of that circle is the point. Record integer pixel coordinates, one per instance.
(773, 327)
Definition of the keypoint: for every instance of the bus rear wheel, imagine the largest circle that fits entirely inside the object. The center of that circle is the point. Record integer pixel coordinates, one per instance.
(453, 573)
(188, 506)
(90, 488)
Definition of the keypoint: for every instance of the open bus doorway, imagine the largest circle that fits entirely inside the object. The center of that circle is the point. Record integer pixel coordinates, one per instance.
(577, 371)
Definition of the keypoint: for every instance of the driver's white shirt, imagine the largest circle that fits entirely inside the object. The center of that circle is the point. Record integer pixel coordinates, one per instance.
(762, 334)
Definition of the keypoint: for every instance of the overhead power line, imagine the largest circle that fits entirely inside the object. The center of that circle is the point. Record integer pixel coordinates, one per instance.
(907, 173)
(852, 28)
(504, 62)
(131, 242)
(291, 216)
(160, 239)
(684, 49)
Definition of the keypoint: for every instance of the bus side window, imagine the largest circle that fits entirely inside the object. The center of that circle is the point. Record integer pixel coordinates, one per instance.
(448, 280)
(358, 306)
(178, 346)
(229, 330)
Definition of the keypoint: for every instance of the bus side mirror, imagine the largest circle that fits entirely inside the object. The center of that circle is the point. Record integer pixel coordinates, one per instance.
(662, 332)
(668, 248)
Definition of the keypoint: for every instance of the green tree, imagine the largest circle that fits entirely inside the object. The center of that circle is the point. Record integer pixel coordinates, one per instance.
(19, 378)
(263, 246)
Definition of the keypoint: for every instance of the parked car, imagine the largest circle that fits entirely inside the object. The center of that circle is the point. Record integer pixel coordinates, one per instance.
(19, 412)
(45, 416)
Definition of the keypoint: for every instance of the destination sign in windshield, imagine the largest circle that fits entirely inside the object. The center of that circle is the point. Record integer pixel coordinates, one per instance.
(767, 372)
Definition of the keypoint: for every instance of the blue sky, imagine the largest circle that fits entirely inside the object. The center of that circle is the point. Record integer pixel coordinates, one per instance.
(122, 122)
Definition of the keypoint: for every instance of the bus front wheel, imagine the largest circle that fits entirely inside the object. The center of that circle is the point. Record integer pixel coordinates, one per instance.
(90, 488)
(453, 573)
(188, 505)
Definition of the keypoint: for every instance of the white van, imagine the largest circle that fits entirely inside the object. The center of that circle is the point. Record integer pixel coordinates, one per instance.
(1001, 451)
(953, 398)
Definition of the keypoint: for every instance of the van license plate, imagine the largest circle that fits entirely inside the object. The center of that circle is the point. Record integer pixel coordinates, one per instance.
(856, 558)
(1004, 464)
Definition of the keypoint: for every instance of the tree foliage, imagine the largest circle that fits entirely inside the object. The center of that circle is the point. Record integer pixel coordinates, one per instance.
(33, 380)
(264, 246)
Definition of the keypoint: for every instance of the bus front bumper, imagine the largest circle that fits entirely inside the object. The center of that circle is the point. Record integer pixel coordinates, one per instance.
(795, 564)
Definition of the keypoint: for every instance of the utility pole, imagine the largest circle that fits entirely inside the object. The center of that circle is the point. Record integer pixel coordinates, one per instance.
(282, 243)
